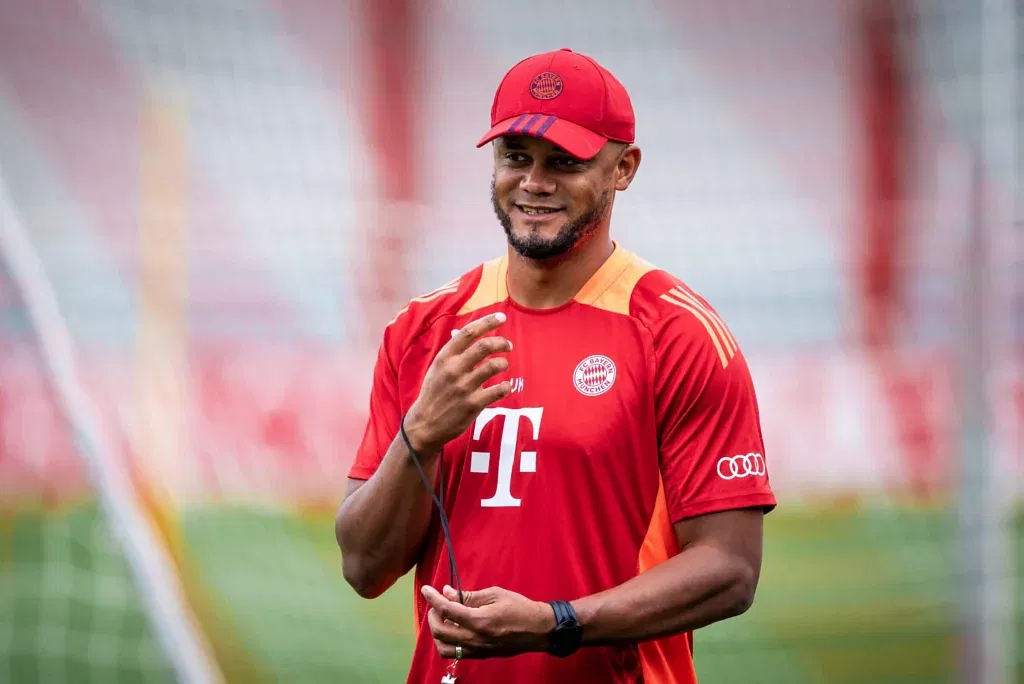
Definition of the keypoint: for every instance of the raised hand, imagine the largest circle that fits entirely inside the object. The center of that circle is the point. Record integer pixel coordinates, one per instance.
(452, 394)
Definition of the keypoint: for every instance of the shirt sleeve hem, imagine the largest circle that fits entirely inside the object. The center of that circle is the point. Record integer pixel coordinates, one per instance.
(764, 501)
(361, 473)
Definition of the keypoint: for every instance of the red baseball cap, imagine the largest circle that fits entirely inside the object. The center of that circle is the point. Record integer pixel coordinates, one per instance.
(564, 97)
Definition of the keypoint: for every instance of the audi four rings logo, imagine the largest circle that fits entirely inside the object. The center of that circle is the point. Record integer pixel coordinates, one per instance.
(744, 465)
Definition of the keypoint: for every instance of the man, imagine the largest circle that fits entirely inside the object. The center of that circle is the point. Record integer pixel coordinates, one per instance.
(589, 421)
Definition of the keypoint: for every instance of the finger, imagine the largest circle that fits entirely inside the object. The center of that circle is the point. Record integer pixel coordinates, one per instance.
(433, 619)
(448, 650)
(452, 634)
(473, 331)
(485, 396)
(438, 625)
(452, 594)
(449, 632)
(448, 610)
(483, 348)
(487, 370)
(483, 597)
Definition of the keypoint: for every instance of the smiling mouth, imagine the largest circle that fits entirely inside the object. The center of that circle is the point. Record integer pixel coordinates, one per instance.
(536, 211)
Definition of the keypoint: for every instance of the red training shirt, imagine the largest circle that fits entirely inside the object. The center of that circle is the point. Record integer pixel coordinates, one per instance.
(632, 408)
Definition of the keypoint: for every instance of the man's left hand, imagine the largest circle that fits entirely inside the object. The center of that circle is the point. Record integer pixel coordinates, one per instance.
(493, 622)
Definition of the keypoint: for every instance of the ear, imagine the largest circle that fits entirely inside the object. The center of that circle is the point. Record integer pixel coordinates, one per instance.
(626, 167)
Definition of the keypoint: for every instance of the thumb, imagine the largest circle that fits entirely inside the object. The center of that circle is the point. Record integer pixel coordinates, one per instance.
(469, 598)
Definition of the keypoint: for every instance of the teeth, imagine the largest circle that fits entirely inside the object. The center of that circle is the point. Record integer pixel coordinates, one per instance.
(531, 210)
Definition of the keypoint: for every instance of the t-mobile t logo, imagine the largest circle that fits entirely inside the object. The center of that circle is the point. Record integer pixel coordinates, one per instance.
(480, 461)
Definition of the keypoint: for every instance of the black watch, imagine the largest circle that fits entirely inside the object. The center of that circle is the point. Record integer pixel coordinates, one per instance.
(565, 638)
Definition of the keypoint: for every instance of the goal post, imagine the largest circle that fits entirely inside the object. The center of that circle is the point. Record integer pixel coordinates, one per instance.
(152, 568)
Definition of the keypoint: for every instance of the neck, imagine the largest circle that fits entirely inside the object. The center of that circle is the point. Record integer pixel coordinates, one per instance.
(547, 283)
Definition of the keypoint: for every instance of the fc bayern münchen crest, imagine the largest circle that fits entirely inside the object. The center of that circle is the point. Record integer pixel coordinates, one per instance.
(594, 375)
(546, 86)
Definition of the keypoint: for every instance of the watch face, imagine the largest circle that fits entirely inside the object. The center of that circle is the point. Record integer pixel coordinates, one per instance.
(566, 639)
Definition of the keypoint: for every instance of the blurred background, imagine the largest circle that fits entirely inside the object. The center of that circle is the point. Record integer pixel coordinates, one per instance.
(209, 209)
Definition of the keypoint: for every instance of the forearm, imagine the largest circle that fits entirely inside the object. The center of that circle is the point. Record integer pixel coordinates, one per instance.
(697, 587)
(381, 526)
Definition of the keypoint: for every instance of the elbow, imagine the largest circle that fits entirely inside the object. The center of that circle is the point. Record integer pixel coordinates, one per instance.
(741, 591)
(357, 567)
(361, 581)
(354, 567)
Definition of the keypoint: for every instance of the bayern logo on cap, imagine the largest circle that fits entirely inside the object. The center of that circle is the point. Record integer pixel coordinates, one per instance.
(594, 375)
(546, 86)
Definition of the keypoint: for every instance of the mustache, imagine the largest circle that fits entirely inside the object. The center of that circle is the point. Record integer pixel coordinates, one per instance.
(571, 234)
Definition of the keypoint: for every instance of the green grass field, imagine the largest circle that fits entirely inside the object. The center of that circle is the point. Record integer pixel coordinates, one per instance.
(844, 597)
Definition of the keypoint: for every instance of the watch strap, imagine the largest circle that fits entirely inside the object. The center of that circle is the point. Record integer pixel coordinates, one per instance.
(565, 638)
(563, 611)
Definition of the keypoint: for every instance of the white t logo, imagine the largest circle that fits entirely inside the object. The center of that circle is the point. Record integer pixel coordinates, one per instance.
(480, 461)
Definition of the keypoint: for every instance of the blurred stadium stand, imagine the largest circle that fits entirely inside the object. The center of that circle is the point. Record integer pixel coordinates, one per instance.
(231, 199)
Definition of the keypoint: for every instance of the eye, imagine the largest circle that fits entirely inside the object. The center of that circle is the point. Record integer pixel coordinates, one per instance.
(567, 162)
(516, 157)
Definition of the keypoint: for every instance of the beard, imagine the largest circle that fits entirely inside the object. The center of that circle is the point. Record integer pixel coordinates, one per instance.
(575, 230)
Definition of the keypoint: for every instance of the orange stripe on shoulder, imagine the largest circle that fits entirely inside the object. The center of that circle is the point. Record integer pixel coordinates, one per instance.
(450, 287)
(721, 337)
(491, 289)
(716, 320)
(611, 288)
(723, 355)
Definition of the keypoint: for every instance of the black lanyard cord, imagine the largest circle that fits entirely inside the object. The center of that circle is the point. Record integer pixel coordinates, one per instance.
(453, 569)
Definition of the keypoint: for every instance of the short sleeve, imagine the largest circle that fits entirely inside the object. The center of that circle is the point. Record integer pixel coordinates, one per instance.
(711, 448)
(382, 423)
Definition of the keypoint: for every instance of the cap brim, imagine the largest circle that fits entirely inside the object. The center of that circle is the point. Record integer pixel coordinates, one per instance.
(578, 141)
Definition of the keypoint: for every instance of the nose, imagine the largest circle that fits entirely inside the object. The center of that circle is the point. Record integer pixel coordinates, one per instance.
(537, 180)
